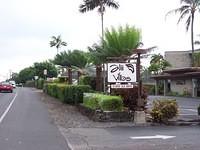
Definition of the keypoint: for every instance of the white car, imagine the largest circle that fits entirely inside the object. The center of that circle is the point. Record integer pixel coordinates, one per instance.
(13, 84)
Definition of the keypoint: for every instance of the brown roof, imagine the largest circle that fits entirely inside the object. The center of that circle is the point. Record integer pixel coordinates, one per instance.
(188, 72)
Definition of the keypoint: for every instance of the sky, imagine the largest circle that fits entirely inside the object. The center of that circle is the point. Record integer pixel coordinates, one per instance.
(26, 27)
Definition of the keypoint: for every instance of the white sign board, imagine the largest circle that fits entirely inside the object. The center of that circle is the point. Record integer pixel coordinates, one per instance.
(119, 86)
(121, 72)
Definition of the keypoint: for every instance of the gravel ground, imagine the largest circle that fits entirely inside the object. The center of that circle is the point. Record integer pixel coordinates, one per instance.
(68, 116)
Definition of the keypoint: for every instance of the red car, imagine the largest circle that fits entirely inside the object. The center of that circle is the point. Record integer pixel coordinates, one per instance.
(6, 87)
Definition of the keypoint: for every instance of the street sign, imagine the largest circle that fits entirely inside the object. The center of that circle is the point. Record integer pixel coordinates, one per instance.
(121, 72)
(45, 72)
(117, 86)
(164, 137)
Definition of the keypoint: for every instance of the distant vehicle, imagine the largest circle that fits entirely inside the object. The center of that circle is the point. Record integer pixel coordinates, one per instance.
(6, 87)
(13, 83)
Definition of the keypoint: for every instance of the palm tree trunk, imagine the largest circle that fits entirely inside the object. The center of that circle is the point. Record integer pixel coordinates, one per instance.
(192, 38)
(70, 75)
(79, 75)
(102, 40)
(98, 78)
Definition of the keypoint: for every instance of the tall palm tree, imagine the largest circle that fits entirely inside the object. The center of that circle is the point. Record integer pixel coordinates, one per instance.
(89, 5)
(187, 10)
(57, 42)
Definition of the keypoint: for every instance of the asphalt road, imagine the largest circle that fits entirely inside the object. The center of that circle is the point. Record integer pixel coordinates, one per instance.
(141, 138)
(27, 125)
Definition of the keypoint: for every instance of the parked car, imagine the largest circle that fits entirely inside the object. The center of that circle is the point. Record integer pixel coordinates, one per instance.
(6, 87)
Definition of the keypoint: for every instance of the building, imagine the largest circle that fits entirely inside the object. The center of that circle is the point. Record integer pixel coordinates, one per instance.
(181, 78)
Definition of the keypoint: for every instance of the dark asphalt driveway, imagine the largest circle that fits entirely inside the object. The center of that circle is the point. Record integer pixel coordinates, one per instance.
(27, 125)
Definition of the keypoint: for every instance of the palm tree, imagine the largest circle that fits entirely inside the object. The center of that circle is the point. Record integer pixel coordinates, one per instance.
(187, 10)
(76, 60)
(89, 5)
(117, 43)
(57, 42)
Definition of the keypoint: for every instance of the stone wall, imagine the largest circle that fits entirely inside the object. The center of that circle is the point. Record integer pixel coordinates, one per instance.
(178, 59)
(106, 116)
(180, 86)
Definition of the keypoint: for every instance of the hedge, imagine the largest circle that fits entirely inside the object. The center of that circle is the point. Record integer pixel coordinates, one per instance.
(103, 102)
(71, 94)
(40, 83)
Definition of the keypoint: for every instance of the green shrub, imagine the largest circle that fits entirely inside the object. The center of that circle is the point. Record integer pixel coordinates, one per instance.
(61, 92)
(71, 94)
(52, 89)
(40, 83)
(111, 103)
(163, 110)
(91, 100)
(87, 80)
(103, 102)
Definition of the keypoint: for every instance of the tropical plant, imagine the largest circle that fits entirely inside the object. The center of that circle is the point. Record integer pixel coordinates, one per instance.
(187, 10)
(158, 64)
(89, 5)
(76, 59)
(117, 42)
(57, 42)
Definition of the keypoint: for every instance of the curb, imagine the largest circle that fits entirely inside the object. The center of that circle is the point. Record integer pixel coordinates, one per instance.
(74, 142)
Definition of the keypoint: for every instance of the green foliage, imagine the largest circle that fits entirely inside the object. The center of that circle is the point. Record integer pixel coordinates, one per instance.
(26, 74)
(91, 100)
(40, 67)
(111, 103)
(40, 83)
(37, 69)
(89, 5)
(130, 96)
(87, 80)
(158, 64)
(57, 42)
(163, 110)
(116, 43)
(196, 58)
(71, 94)
(103, 102)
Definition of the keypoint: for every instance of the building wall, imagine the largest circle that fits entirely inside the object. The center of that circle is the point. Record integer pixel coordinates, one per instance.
(179, 87)
(178, 59)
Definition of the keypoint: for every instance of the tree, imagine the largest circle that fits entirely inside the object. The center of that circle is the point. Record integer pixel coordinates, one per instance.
(26, 74)
(89, 5)
(40, 67)
(75, 59)
(57, 42)
(158, 64)
(187, 10)
(117, 42)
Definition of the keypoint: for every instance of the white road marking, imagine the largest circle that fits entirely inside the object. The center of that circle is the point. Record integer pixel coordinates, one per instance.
(8, 108)
(152, 137)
